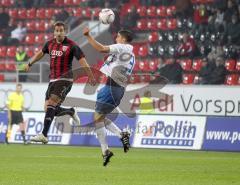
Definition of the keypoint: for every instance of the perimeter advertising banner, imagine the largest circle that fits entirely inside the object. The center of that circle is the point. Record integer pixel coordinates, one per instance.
(168, 99)
(3, 126)
(222, 134)
(34, 126)
(173, 132)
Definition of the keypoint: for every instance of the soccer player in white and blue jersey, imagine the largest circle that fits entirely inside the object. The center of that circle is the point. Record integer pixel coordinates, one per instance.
(118, 67)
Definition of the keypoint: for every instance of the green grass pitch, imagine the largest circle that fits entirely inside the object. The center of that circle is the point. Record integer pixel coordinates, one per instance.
(68, 165)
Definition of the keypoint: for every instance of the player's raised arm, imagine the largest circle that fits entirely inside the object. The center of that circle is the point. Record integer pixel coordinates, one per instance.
(98, 46)
(34, 59)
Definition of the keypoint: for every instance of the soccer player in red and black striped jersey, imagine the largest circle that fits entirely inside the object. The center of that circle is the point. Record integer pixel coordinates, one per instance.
(62, 51)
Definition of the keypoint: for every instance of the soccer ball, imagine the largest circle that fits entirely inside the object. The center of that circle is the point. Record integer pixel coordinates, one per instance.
(106, 16)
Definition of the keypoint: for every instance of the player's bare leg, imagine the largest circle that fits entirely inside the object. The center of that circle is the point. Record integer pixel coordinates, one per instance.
(101, 134)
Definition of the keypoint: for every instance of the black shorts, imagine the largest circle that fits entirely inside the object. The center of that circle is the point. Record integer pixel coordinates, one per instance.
(17, 117)
(59, 88)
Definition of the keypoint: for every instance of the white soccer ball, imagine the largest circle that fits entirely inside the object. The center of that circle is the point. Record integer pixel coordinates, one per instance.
(106, 16)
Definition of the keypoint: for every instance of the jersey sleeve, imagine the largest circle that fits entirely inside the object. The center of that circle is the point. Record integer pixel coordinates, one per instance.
(45, 48)
(115, 48)
(77, 52)
(9, 100)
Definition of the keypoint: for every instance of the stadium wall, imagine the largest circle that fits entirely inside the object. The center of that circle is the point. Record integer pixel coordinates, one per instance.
(195, 118)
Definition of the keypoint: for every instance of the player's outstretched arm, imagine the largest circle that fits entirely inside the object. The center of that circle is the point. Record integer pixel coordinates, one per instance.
(33, 60)
(98, 46)
(87, 69)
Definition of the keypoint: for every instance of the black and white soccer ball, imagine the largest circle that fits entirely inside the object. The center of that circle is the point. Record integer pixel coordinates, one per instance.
(106, 16)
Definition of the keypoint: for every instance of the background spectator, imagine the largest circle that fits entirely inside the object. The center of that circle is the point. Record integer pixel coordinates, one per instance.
(21, 59)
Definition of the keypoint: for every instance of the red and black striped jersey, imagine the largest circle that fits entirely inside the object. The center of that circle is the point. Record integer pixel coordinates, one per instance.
(61, 57)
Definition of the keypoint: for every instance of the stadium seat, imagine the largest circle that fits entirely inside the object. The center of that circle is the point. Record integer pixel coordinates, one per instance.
(238, 65)
(186, 64)
(230, 65)
(3, 51)
(49, 12)
(7, 3)
(143, 51)
(59, 2)
(134, 79)
(142, 24)
(87, 13)
(11, 51)
(2, 78)
(40, 38)
(40, 13)
(30, 39)
(31, 13)
(152, 25)
(197, 64)
(196, 79)
(172, 24)
(31, 25)
(232, 79)
(162, 24)
(161, 11)
(153, 64)
(10, 66)
(22, 13)
(145, 78)
(188, 79)
(29, 50)
(95, 12)
(151, 11)
(77, 12)
(13, 13)
(153, 37)
(2, 65)
(171, 10)
(142, 11)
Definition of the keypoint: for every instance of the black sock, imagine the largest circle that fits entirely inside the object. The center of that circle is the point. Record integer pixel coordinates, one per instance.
(48, 119)
(23, 135)
(60, 111)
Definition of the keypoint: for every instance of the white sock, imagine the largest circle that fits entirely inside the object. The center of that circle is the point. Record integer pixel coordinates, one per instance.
(101, 134)
(112, 127)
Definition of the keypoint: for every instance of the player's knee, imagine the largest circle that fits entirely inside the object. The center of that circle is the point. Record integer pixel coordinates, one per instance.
(54, 100)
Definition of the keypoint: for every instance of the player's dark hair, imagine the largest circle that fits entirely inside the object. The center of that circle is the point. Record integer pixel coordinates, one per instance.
(59, 23)
(19, 85)
(128, 35)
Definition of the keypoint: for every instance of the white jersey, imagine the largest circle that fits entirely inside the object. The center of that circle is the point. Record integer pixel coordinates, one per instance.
(120, 63)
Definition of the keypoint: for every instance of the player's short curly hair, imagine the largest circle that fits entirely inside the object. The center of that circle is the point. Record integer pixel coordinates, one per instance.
(59, 23)
(128, 35)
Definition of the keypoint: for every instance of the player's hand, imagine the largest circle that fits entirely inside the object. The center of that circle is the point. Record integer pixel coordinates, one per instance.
(86, 31)
(26, 68)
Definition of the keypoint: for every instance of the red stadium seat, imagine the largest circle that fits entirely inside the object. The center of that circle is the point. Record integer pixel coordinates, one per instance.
(172, 24)
(134, 79)
(151, 11)
(11, 51)
(13, 13)
(230, 65)
(136, 67)
(11, 66)
(171, 10)
(186, 64)
(59, 2)
(152, 25)
(142, 24)
(238, 65)
(87, 13)
(136, 49)
(7, 3)
(31, 25)
(30, 39)
(41, 13)
(49, 12)
(153, 37)
(2, 78)
(143, 51)
(22, 13)
(77, 12)
(197, 64)
(153, 64)
(188, 78)
(40, 26)
(3, 51)
(142, 11)
(40, 38)
(145, 78)
(31, 13)
(95, 12)
(29, 51)
(232, 79)
(68, 2)
(77, 2)
(162, 24)
(161, 11)
(2, 65)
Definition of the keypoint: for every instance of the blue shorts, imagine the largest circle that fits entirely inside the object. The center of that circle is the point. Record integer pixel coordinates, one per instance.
(108, 98)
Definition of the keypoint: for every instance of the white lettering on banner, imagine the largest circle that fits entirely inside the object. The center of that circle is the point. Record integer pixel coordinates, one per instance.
(3, 128)
(176, 132)
(232, 137)
(187, 100)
